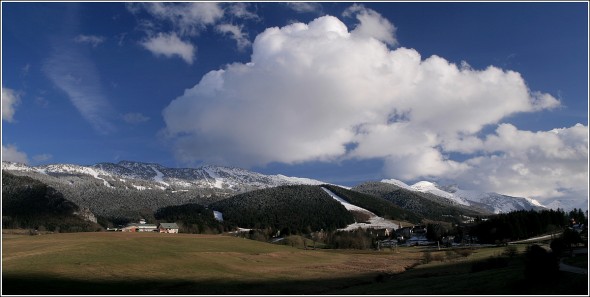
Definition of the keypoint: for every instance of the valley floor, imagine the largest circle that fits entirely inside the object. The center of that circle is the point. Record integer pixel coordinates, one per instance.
(165, 264)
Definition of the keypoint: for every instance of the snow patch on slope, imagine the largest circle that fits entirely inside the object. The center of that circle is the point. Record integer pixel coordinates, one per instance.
(159, 176)
(218, 216)
(217, 180)
(375, 221)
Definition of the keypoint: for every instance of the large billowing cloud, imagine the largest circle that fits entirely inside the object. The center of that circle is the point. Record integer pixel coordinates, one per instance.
(541, 164)
(322, 92)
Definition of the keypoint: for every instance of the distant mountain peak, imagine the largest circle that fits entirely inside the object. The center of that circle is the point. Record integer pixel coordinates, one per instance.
(493, 202)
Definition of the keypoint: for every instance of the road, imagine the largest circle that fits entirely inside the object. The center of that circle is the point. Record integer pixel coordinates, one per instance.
(574, 269)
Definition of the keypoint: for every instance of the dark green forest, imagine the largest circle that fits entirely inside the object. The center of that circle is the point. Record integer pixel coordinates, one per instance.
(378, 206)
(289, 209)
(28, 203)
(519, 225)
(192, 218)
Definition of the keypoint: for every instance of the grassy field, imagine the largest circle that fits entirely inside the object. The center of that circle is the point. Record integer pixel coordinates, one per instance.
(153, 263)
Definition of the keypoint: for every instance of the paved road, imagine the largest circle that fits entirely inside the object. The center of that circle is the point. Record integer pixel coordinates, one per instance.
(574, 269)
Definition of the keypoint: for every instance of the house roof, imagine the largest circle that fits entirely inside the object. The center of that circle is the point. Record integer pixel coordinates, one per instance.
(169, 225)
(146, 226)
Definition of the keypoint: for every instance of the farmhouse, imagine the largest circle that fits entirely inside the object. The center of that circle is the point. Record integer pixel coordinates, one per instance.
(131, 227)
(168, 228)
(142, 226)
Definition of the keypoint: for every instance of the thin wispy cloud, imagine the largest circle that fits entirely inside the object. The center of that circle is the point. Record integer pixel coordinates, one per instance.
(76, 75)
(42, 157)
(240, 10)
(236, 33)
(188, 20)
(135, 118)
(92, 40)
(305, 7)
(25, 70)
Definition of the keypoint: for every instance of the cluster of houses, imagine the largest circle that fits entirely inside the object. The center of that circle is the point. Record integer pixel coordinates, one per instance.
(142, 226)
(410, 236)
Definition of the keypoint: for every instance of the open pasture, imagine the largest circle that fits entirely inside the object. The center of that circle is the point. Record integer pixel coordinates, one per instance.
(153, 263)
(164, 264)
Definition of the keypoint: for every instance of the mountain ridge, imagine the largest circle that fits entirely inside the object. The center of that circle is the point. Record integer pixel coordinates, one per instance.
(226, 181)
(493, 202)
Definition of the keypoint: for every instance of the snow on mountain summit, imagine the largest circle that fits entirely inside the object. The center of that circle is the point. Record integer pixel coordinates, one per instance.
(493, 202)
(396, 182)
(155, 176)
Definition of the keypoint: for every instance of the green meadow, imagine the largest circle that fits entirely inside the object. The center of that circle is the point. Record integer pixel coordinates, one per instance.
(153, 263)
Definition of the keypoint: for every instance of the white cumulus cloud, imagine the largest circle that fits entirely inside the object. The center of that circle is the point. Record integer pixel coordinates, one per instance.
(543, 164)
(10, 100)
(188, 18)
(305, 7)
(236, 33)
(371, 24)
(319, 92)
(12, 154)
(170, 45)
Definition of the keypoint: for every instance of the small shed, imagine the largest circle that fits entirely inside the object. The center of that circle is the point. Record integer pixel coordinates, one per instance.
(168, 228)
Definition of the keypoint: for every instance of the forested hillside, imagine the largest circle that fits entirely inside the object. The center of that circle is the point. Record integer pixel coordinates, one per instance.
(120, 202)
(379, 206)
(192, 218)
(28, 203)
(290, 209)
(423, 204)
(519, 225)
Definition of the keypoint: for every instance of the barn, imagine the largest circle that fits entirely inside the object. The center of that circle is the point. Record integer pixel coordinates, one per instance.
(168, 228)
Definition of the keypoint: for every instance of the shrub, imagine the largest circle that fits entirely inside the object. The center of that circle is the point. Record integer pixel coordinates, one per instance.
(464, 252)
(427, 257)
(510, 251)
(540, 265)
(491, 263)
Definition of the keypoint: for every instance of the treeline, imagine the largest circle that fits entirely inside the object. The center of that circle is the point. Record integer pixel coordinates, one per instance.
(31, 204)
(192, 218)
(424, 205)
(378, 206)
(289, 209)
(519, 225)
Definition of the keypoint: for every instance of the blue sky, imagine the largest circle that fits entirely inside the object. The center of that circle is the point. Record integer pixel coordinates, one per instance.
(491, 96)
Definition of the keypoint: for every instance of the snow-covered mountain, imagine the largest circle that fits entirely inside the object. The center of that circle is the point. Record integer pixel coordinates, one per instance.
(126, 189)
(493, 202)
(154, 176)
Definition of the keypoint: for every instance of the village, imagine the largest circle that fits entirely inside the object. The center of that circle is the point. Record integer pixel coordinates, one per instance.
(386, 237)
(142, 226)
